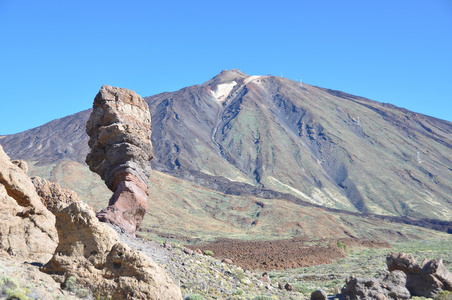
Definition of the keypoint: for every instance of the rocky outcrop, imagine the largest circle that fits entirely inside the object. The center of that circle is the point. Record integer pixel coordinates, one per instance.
(91, 251)
(425, 280)
(120, 140)
(405, 278)
(390, 285)
(52, 194)
(27, 228)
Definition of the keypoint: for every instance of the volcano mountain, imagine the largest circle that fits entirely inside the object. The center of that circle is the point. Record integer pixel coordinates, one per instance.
(273, 138)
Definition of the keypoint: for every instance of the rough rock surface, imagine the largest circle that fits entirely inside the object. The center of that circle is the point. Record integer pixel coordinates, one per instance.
(120, 140)
(319, 295)
(21, 164)
(27, 228)
(52, 194)
(91, 251)
(390, 285)
(425, 280)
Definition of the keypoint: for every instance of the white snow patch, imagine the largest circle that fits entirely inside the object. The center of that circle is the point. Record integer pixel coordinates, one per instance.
(223, 90)
(251, 78)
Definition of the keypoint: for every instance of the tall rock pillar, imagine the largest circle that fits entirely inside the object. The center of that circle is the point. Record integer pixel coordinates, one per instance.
(120, 140)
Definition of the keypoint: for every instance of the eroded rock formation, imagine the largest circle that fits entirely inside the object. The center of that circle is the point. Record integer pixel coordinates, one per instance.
(52, 194)
(120, 140)
(91, 251)
(390, 285)
(425, 280)
(27, 228)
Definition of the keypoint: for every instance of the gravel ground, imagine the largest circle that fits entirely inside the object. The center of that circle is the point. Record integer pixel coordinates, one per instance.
(206, 275)
(210, 278)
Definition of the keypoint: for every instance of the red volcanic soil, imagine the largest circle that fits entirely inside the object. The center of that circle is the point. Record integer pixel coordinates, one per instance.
(284, 254)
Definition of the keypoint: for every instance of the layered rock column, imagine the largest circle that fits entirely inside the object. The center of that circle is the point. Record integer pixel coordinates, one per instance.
(120, 140)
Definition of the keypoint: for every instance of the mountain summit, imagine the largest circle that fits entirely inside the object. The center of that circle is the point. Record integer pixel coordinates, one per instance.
(322, 146)
(270, 137)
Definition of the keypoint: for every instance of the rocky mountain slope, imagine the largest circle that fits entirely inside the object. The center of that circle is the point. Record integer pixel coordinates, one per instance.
(270, 137)
(321, 146)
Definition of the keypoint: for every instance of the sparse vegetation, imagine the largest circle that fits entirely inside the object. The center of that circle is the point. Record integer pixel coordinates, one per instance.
(195, 297)
(11, 288)
(262, 297)
(204, 277)
(238, 292)
(342, 245)
(70, 284)
(233, 283)
(302, 288)
(208, 252)
(444, 295)
(16, 295)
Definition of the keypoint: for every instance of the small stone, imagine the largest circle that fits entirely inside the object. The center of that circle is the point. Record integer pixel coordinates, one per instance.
(266, 278)
(167, 245)
(188, 251)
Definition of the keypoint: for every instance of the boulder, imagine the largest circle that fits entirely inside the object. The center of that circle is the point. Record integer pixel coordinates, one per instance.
(425, 280)
(390, 285)
(402, 262)
(319, 295)
(119, 128)
(91, 251)
(27, 228)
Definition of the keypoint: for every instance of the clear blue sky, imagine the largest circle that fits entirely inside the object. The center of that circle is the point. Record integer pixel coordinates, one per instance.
(55, 55)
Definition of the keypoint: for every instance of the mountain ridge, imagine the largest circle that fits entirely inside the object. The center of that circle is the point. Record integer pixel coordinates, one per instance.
(321, 146)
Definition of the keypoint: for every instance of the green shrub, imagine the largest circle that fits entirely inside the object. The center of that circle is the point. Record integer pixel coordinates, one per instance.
(195, 297)
(9, 282)
(208, 252)
(16, 295)
(238, 292)
(444, 295)
(263, 297)
(71, 284)
(240, 275)
(237, 297)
